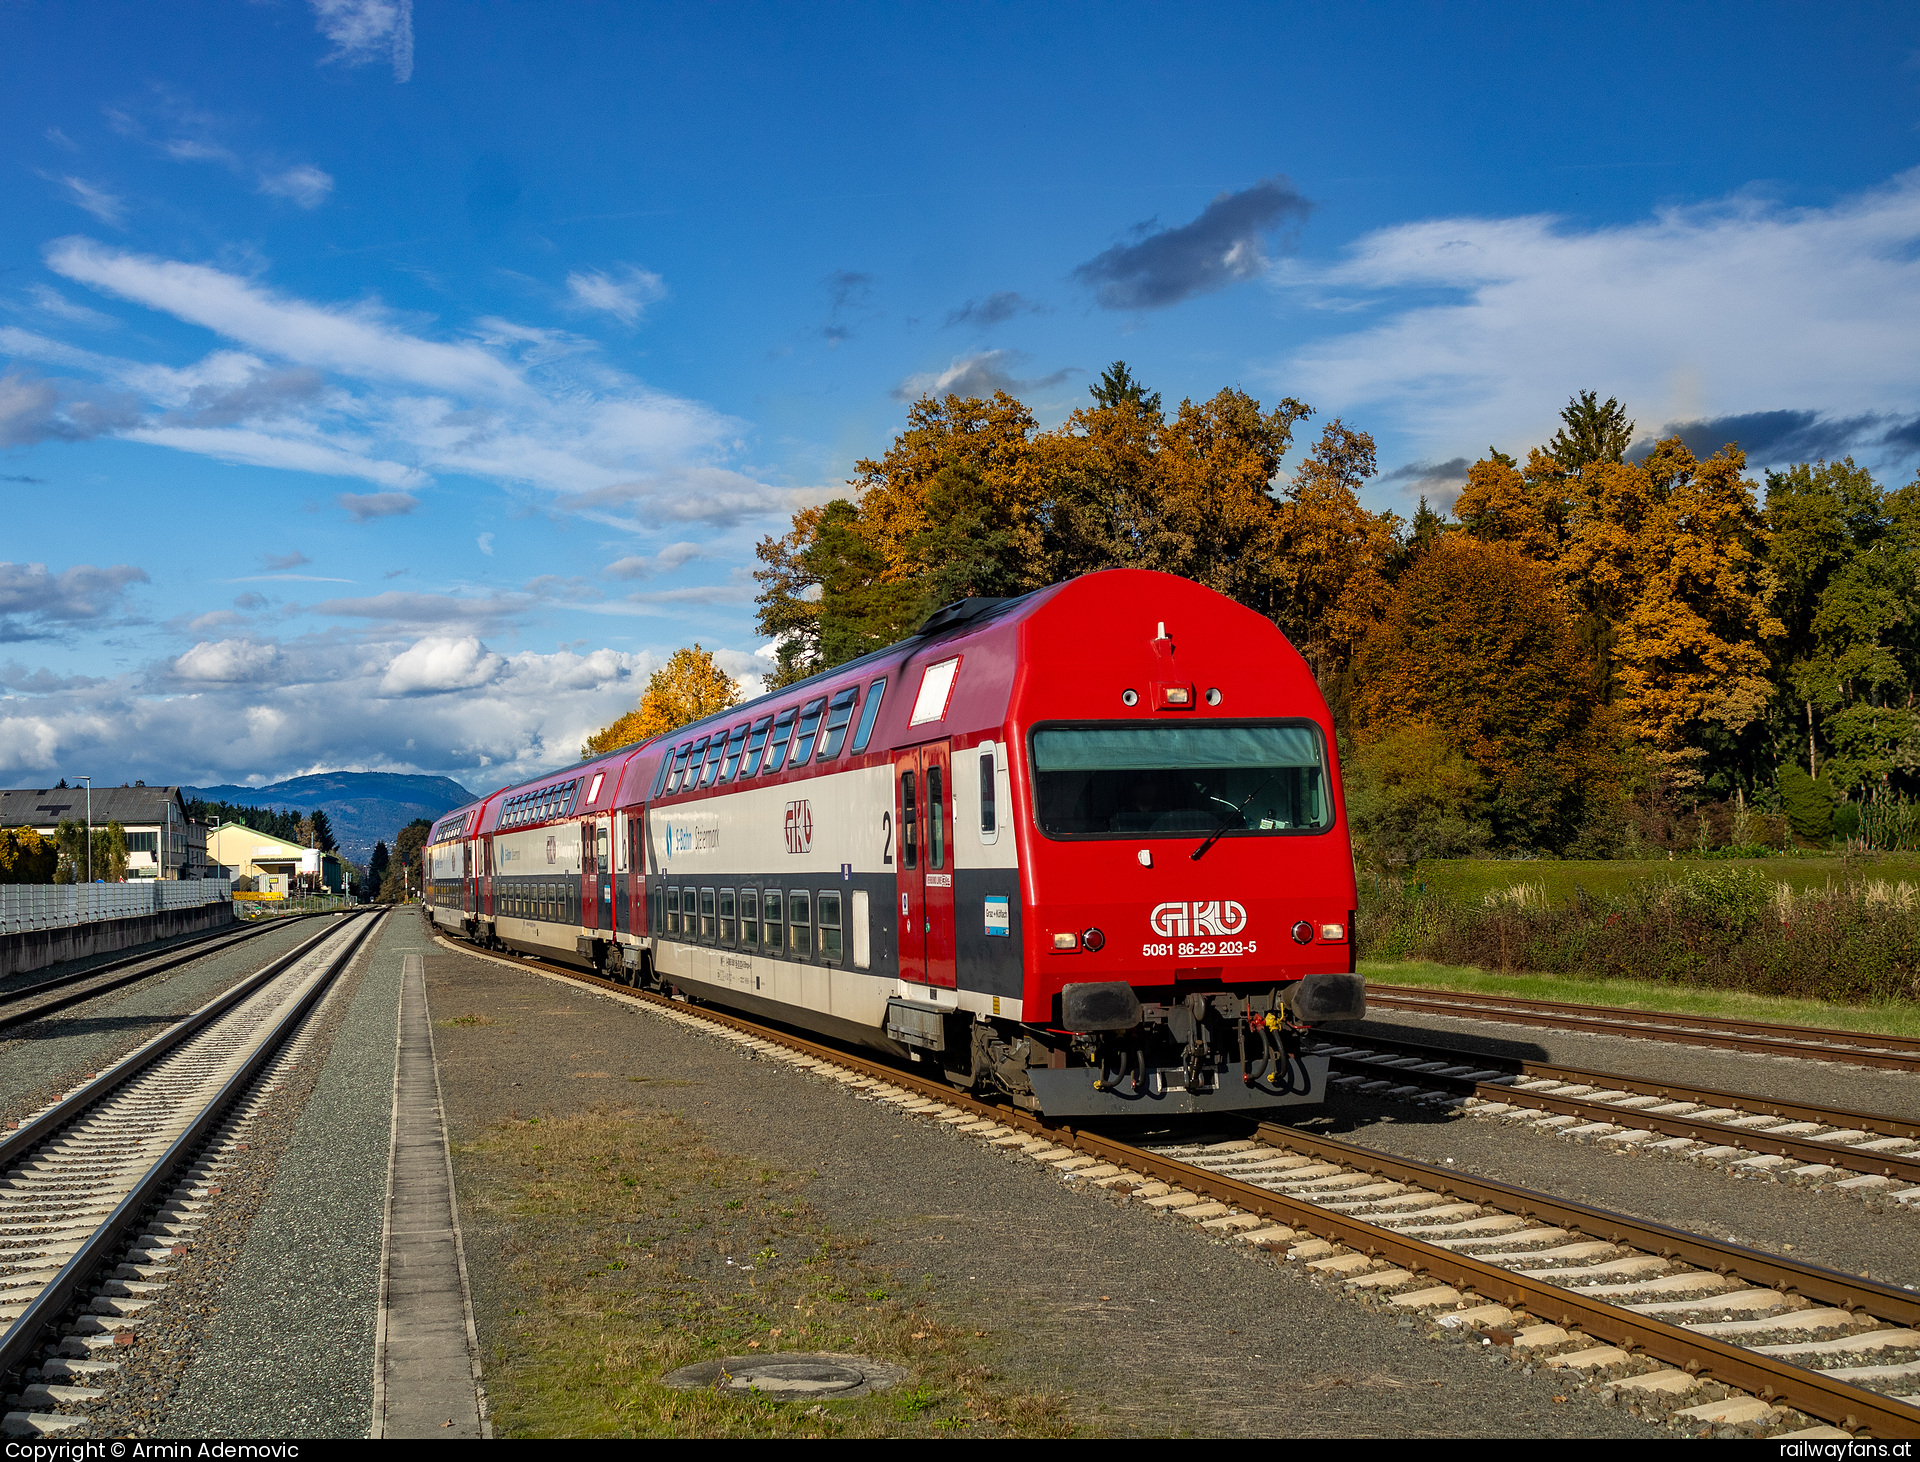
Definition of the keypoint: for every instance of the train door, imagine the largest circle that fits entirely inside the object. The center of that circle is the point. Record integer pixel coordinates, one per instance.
(603, 864)
(470, 879)
(923, 867)
(636, 873)
(589, 879)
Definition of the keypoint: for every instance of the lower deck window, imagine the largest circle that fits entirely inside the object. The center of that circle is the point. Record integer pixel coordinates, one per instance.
(827, 908)
(726, 916)
(775, 917)
(673, 911)
(706, 913)
(799, 923)
(749, 917)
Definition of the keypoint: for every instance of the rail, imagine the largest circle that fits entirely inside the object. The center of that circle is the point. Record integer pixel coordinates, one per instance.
(1771, 1378)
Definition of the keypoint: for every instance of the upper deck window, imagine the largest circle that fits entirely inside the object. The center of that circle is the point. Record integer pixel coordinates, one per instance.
(1117, 781)
(716, 750)
(777, 747)
(809, 723)
(756, 746)
(865, 731)
(736, 743)
(936, 689)
(695, 760)
(679, 765)
(839, 713)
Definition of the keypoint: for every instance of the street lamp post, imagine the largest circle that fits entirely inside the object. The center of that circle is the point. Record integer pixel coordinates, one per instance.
(89, 782)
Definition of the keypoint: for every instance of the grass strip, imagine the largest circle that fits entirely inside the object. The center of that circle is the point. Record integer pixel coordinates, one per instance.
(1899, 1018)
(634, 1248)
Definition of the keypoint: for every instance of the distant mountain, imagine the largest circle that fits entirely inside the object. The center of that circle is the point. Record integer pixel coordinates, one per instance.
(364, 807)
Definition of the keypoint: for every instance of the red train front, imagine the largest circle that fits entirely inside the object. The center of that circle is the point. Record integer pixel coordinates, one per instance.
(1086, 847)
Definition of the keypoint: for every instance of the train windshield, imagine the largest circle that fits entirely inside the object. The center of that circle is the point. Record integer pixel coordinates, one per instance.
(1180, 781)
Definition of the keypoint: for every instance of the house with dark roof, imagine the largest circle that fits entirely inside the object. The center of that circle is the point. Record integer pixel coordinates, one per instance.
(161, 843)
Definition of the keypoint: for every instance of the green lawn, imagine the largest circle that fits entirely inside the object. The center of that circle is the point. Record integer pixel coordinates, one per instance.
(1893, 1018)
(1471, 878)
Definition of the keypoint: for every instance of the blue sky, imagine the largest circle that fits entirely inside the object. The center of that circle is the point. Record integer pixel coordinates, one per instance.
(393, 386)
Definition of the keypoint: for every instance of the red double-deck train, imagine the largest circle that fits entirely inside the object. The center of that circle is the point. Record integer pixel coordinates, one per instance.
(1086, 847)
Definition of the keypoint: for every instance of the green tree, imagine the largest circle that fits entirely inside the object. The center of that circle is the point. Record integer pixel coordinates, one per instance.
(70, 844)
(110, 853)
(377, 867)
(1591, 432)
(322, 829)
(405, 870)
(1412, 795)
(1117, 384)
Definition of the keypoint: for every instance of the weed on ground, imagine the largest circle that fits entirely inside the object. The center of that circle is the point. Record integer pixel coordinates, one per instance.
(636, 1248)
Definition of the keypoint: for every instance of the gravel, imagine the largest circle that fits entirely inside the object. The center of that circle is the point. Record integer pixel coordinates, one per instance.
(1787, 1078)
(143, 1395)
(43, 1061)
(1152, 1326)
(290, 1350)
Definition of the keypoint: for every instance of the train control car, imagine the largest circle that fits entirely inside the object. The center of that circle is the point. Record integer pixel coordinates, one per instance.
(1086, 847)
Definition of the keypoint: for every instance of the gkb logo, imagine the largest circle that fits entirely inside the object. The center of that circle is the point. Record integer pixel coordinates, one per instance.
(799, 826)
(1177, 920)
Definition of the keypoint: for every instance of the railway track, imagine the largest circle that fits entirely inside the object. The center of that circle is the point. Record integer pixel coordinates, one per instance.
(102, 1190)
(29, 1003)
(1758, 1132)
(1812, 1043)
(1699, 1332)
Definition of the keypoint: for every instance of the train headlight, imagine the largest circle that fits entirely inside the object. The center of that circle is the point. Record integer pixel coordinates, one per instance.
(1066, 941)
(1333, 933)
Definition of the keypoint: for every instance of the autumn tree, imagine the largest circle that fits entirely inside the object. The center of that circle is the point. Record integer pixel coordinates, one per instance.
(26, 857)
(1475, 645)
(690, 685)
(406, 870)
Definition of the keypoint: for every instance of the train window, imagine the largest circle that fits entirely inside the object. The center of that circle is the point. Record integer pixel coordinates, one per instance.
(660, 776)
(716, 753)
(706, 913)
(936, 818)
(909, 823)
(771, 908)
(799, 924)
(809, 723)
(695, 760)
(1122, 780)
(679, 765)
(673, 911)
(756, 745)
(865, 732)
(726, 916)
(827, 909)
(989, 826)
(839, 713)
(777, 747)
(736, 743)
(749, 917)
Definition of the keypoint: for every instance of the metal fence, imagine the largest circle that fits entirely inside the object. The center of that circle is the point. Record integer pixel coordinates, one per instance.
(25, 906)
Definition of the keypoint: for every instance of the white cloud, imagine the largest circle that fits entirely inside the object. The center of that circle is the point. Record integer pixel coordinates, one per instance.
(623, 297)
(349, 390)
(314, 705)
(52, 302)
(365, 31)
(485, 544)
(1735, 306)
(101, 204)
(435, 665)
(978, 375)
(305, 185)
(227, 662)
(366, 505)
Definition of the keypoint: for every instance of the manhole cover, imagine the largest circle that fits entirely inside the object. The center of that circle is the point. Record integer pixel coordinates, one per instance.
(789, 1376)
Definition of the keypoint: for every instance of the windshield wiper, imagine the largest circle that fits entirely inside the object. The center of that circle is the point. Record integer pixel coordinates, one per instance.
(1201, 851)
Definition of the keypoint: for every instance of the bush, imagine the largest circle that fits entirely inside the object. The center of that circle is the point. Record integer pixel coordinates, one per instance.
(26, 857)
(1808, 803)
(1411, 796)
(1846, 820)
(1727, 928)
